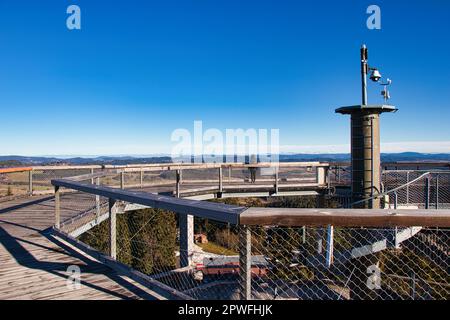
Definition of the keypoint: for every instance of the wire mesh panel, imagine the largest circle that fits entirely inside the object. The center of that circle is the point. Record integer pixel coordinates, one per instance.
(297, 175)
(206, 259)
(348, 263)
(79, 209)
(340, 175)
(42, 178)
(215, 260)
(157, 181)
(417, 189)
(14, 183)
(151, 241)
(111, 179)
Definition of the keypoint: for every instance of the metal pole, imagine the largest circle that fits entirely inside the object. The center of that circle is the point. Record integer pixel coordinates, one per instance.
(427, 193)
(364, 74)
(276, 179)
(330, 245)
(177, 185)
(57, 208)
(304, 234)
(407, 187)
(112, 229)
(97, 199)
(30, 182)
(220, 181)
(122, 180)
(395, 199)
(142, 178)
(92, 172)
(437, 191)
(245, 263)
(186, 239)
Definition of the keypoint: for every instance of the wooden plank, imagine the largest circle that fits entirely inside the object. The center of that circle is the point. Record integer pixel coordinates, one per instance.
(345, 217)
(32, 266)
(12, 170)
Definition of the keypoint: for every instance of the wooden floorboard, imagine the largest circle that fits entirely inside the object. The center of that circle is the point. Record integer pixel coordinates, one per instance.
(33, 264)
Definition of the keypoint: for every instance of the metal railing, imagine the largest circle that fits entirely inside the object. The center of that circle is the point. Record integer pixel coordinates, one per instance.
(192, 249)
(146, 221)
(219, 178)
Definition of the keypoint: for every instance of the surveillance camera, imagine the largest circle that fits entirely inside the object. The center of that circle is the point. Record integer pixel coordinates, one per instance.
(375, 76)
(386, 94)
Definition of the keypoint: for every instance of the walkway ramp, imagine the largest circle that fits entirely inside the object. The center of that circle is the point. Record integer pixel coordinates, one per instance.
(34, 264)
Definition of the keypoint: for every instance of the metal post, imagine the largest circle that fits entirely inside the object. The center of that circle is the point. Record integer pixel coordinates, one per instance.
(220, 182)
(330, 245)
(97, 199)
(142, 178)
(427, 193)
(395, 199)
(364, 70)
(30, 182)
(112, 229)
(92, 172)
(122, 180)
(320, 175)
(186, 239)
(328, 178)
(177, 184)
(245, 263)
(437, 192)
(397, 244)
(276, 180)
(319, 241)
(304, 234)
(57, 208)
(407, 187)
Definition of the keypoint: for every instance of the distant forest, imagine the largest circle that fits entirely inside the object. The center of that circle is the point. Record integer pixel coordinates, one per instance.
(10, 161)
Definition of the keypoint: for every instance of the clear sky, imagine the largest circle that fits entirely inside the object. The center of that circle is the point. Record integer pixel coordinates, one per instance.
(137, 70)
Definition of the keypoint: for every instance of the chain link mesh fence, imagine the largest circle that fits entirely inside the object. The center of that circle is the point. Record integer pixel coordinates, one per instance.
(286, 262)
(300, 262)
(351, 263)
(14, 183)
(429, 191)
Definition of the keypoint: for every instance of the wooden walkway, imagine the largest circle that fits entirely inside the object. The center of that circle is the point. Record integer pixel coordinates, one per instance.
(33, 264)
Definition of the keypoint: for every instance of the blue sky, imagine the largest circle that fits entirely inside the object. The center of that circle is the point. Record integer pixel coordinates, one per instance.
(137, 70)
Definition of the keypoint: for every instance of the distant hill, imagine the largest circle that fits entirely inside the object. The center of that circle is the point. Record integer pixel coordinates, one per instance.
(386, 157)
(13, 160)
(7, 161)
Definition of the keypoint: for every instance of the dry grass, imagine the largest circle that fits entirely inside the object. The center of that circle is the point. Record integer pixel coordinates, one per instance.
(212, 247)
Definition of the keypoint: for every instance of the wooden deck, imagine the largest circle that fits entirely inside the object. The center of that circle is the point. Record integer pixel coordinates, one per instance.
(33, 263)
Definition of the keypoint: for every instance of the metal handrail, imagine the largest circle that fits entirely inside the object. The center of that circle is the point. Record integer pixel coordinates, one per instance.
(392, 190)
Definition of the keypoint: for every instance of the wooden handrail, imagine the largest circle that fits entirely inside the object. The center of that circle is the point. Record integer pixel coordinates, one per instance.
(203, 209)
(270, 216)
(12, 170)
(345, 217)
(186, 166)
